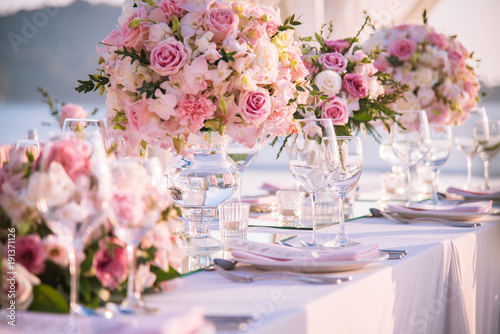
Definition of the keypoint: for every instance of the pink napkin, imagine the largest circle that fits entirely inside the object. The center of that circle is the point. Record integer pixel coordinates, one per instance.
(475, 193)
(274, 187)
(276, 253)
(268, 199)
(483, 206)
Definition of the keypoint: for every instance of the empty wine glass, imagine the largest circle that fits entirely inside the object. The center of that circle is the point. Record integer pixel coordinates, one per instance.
(344, 181)
(137, 199)
(464, 139)
(88, 124)
(314, 159)
(30, 146)
(487, 137)
(242, 157)
(407, 134)
(439, 150)
(73, 193)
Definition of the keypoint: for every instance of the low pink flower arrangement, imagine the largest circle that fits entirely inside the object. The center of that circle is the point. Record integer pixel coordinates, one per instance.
(437, 67)
(41, 258)
(175, 68)
(346, 86)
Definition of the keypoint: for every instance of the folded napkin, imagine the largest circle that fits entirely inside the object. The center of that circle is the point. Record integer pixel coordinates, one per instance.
(474, 193)
(272, 253)
(483, 206)
(274, 187)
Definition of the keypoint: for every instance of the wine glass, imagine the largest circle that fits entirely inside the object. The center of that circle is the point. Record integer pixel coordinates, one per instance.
(465, 142)
(314, 159)
(408, 132)
(487, 137)
(346, 179)
(137, 199)
(73, 193)
(242, 157)
(438, 153)
(30, 146)
(78, 125)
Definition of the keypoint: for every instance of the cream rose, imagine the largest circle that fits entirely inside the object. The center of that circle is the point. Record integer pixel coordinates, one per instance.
(408, 102)
(425, 77)
(56, 185)
(329, 82)
(266, 58)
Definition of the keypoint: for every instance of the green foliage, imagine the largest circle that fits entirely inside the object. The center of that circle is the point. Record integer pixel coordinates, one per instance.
(48, 299)
(162, 276)
(50, 101)
(289, 24)
(140, 57)
(149, 88)
(95, 82)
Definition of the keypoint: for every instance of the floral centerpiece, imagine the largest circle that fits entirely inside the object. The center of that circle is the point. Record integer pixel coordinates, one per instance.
(38, 259)
(174, 68)
(345, 84)
(437, 67)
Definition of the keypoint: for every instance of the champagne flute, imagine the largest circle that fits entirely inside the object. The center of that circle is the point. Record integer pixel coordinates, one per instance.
(464, 139)
(73, 193)
(242, 157)
(438, 153)
(137, 199)
(314, 159)
(79, 125)
(346, 179)
(487, 137)
(407, 134)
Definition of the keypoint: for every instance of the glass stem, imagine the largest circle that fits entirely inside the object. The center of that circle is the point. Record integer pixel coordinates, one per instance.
(469, 171)
(73, 272)
(435, 181)
(314, 198)
(486, 175)
(131, 272)
(409, 175)
(239, 185)
(341, 217)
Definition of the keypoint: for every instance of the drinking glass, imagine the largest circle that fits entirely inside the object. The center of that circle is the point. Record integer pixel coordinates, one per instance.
(30, 146)
(314, 159)
(344, 181)
(137, 205)
(487, 137)
(438, 153)
(464, 139)
(79, 125)
(408, 144)
(242, 157)
(73, 194)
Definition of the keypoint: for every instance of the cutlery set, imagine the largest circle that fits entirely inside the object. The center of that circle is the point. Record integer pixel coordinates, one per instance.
(384, 214)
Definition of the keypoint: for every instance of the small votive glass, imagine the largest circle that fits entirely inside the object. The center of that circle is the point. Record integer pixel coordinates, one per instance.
(393, 187)
(233, 219)
(289, 207)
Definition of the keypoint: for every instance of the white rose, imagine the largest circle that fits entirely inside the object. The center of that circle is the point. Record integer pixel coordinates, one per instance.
(24, 282)
(129, 174)
(408, 102)
(329, 82)
(425, 77)
(56, 186)
(266, 58)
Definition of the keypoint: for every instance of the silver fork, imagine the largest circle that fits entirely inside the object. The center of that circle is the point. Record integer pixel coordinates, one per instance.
(282, 275)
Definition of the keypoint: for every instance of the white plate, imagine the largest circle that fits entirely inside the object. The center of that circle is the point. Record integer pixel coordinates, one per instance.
(458, 216)
(308, 266)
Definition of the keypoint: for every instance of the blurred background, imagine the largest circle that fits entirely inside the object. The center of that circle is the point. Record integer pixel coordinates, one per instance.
(51, 44)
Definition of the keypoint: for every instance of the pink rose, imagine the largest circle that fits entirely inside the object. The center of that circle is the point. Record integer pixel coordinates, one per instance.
(456, 58)
(168, 56)
(426, 96)
(171, 8)
(403, 48)
(71, 110)
(381, 64)
(193, 112)
(29, 253)
(111, 270)
(337, 46)
(438, 113)
(255, 106)
(438, 40)
(356, 85)
(133, 37)
(55, 250)
(222, 22)
(138, 114)
(127, 206)
(114, 38)
(334, 61)
(73, 155)
(335, 109)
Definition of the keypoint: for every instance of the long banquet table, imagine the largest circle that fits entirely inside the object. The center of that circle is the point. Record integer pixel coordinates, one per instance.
(449, 282)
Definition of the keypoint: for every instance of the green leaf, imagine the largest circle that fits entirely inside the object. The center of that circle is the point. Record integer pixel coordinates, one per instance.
(223, 106)
(162, 276)
(48, 299)
(140, 57)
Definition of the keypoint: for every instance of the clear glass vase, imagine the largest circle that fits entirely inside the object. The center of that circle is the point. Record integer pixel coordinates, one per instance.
(198, 183)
